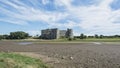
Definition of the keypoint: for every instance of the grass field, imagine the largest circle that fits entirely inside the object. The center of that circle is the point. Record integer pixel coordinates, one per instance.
(99, 40)
(74, 40)
(11, 60)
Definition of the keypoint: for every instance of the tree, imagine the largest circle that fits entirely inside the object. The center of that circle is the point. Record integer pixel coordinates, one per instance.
(36, 37)
(18, 35)
(96, 36)
(1, 37)
(116, 36)
(70, 39)
(101, 36)
(5, 36)
(90, 36)
(82, 36)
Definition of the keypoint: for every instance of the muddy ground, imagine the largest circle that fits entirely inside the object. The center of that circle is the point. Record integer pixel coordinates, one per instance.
(69, 55)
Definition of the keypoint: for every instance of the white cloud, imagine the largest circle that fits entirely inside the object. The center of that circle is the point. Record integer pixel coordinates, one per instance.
(66, 3)
(34, 32)
(14, 21)
(27, 13)
(45, 2)
(92, 19)
(70, 24)
(97, 19)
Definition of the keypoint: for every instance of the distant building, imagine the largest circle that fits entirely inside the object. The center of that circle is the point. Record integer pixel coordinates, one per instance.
(56, 33)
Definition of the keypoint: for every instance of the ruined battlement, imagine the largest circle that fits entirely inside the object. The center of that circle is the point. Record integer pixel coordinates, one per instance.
(55, 33)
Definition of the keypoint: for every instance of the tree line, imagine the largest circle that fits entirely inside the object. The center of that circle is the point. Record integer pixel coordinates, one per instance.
(24, 35)
(83, 36)
(15, 35)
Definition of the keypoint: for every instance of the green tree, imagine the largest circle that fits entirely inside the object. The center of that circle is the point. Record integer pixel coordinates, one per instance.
(116, 36)
(82, 36)
(5, 36)
(96, 36)
(1, 37)
(70, 39)
(90, 36)
(18, 35)
(101, 36)
(36, 37)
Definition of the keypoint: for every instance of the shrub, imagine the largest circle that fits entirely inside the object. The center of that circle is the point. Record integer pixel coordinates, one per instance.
(1, 37)
(70, 39)
(74, 38)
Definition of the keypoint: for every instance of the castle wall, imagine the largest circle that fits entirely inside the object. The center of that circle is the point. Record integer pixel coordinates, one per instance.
(56, 34)
(69, 33)
(63, 33)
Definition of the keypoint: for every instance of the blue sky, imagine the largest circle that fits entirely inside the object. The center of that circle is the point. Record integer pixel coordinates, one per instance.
(83, 16)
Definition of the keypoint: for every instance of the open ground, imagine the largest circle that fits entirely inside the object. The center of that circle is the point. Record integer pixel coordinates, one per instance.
(69, 54)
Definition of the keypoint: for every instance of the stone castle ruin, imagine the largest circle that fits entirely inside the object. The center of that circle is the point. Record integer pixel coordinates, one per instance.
(56, 33)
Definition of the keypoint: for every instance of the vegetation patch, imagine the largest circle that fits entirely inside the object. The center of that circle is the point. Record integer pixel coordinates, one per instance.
(11, 60)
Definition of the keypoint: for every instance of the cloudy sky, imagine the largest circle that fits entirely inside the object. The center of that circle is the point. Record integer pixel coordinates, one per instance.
(83, 16)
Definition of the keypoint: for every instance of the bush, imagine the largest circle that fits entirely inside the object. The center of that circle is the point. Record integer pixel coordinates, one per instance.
(1, 37)
(74, 38)
(70, 39)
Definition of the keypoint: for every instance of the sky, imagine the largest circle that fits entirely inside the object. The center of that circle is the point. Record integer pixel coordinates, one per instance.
(83, 16)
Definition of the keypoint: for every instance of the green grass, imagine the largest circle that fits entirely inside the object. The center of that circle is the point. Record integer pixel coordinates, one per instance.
(100, 40)
(11, 60)
(66, 40)
(85, 40)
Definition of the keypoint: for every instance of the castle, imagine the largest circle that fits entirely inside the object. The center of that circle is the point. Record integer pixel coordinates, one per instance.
(56, 33)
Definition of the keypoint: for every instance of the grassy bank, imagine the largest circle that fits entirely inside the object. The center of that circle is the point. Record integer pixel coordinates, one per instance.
(99, 40)
(66, 40)
(10, 60)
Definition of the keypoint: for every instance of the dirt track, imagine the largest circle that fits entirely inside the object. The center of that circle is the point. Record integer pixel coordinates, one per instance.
(71, 55)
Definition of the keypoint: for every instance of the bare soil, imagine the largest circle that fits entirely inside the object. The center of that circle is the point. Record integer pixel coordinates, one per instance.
(69, 55)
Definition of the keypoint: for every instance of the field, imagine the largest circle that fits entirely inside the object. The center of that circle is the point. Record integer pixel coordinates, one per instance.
(68, 54)
(73, 40)
(10, 60)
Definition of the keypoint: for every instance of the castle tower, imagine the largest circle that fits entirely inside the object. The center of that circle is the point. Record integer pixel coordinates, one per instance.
(69, 33)
(55, 33)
